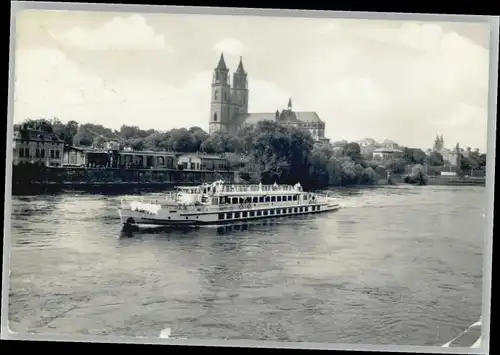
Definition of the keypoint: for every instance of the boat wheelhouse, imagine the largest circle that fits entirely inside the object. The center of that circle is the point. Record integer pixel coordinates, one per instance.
(218, 203)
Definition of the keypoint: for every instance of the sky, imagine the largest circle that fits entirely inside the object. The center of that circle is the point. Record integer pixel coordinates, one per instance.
(384, 79)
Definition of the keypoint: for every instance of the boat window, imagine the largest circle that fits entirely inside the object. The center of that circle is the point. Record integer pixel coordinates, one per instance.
(268, 198)
(273, 198)
(244, 214)
(265, 213)
(295, 210)
(261, 199)
(221, 215)
(278, 198)
(289, 198)
(284, 210)
(295, 197)
(255, 199)
(215, 201)
(252, 213)
(235, 200)
(236, 215)
(229, 215)
(259, 213)
(271, 211)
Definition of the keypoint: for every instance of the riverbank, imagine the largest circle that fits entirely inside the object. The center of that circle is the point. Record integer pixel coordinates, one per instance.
(104, 188)
(29, 180)
(438, 181)
(456, 181)
(133, 187)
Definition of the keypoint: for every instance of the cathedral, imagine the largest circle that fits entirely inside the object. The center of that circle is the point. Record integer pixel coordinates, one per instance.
(438, 144)
(229, 106)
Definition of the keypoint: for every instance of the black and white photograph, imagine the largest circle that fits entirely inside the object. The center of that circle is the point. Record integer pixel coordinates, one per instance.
(180, 175)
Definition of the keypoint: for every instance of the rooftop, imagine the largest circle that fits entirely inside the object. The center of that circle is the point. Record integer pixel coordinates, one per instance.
(306, 117)
(35, 135)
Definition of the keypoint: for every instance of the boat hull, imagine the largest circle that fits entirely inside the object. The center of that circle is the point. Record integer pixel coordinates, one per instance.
(179, 219)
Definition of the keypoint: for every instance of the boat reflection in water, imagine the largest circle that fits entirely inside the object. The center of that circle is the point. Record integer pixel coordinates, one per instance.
(128, 231)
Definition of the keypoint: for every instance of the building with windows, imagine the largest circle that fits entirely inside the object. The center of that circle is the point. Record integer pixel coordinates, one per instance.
(390, 150)
(35, 146)
(74, 156)
(194, 161)
(229, 106)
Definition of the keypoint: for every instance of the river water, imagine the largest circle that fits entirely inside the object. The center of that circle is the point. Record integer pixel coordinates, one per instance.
(397, 265)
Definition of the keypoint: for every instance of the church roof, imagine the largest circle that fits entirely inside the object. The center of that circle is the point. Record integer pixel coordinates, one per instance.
(240, 69)
(308, 117)
(37, 135)
(253, 118)
(222, 63)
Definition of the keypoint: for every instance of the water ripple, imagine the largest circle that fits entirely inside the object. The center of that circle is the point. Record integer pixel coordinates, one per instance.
(400, 265)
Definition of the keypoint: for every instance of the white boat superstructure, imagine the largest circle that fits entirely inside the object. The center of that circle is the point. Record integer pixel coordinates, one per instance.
(218, 203)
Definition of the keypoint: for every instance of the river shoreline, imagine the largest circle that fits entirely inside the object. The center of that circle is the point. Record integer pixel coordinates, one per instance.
(116, 188)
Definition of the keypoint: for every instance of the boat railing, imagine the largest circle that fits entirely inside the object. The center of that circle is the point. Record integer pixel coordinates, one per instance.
(258, 188)
(166, 199)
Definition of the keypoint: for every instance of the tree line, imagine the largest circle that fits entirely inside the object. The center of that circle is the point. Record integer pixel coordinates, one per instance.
(266, 152)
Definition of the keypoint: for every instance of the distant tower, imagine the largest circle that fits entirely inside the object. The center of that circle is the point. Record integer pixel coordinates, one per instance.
(239, 91)
(459, 159)
(438, 143)
(220, 105)
(289, 106)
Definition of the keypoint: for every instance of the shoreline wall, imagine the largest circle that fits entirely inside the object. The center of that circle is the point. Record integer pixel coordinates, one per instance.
(30, 180)
(33, 180)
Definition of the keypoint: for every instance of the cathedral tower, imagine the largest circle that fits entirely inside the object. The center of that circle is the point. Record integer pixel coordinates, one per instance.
(239, 91)
(221, 101)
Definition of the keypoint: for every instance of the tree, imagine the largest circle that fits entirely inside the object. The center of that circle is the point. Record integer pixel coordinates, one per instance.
(199, 135)
(396, 166)
(353, 150)
(181, 140)
(465, 163)
(152, 141)
(221, 142)
(414, 155)
(435, 159)
(481, 160)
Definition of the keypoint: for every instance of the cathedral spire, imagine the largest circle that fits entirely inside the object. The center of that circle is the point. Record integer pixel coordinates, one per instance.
(222, 63)
(290, 103)
(240, 69)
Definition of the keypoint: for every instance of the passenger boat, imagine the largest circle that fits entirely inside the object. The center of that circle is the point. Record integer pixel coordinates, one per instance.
(218, 203)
